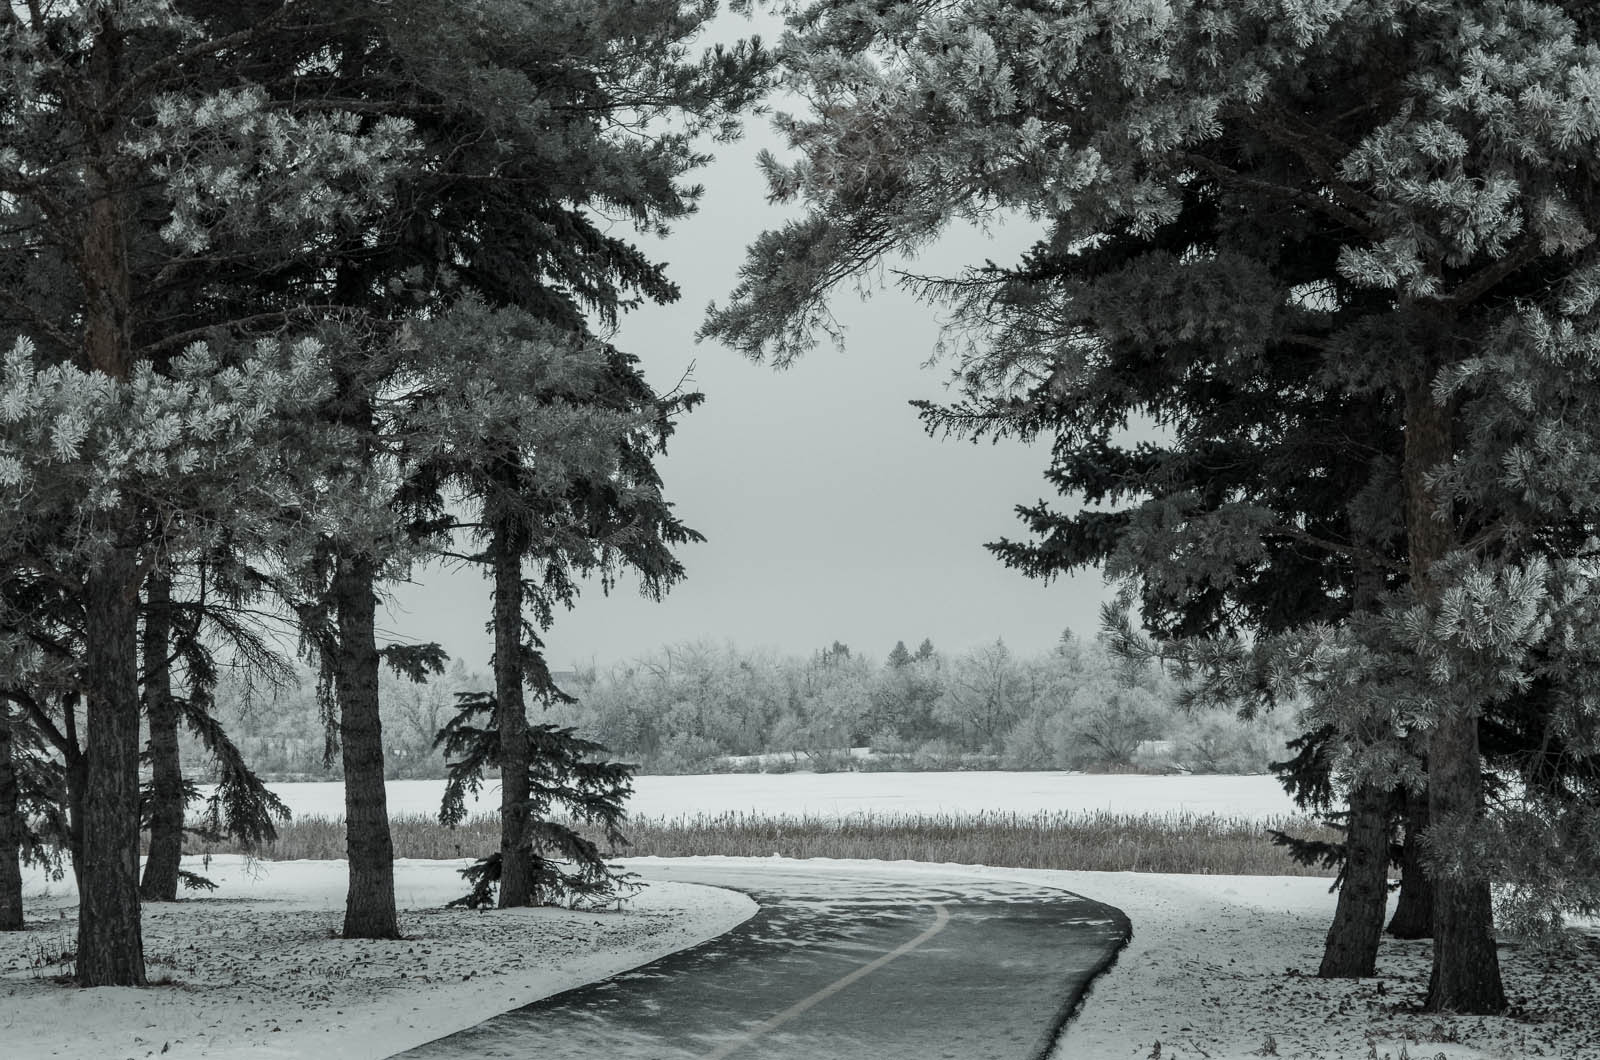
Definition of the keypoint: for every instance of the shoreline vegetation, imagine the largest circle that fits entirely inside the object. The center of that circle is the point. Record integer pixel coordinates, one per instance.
(1095, 840)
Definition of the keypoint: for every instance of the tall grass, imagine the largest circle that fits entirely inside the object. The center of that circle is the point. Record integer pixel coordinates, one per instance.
(1102, 841)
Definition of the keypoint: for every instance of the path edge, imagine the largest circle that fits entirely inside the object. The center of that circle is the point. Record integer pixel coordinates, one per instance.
(1074, 1001)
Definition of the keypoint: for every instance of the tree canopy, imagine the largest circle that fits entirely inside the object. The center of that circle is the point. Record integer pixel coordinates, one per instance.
(217, 224)
(1341, 259)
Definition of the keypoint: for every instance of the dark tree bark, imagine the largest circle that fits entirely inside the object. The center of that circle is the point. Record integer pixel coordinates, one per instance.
(110, 943)
(369, 905)
(510, 541)
(1466, 966)
(10, 831)
(1413, 911)
(1466, 963)
(160, 882)
(1351, 950)
(77, 781)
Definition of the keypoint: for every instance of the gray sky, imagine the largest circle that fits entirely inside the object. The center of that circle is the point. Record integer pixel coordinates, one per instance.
(830, 514)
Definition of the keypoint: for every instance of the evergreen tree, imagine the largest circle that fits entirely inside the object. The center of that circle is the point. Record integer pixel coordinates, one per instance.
(899, 657)
(180, 631)
(123, 170)
(167, 799)
(589, 503)
(533, 119)
(559, 865)
(1226, 229)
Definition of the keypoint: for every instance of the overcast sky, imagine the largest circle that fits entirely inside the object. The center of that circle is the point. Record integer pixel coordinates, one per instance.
(830, 514)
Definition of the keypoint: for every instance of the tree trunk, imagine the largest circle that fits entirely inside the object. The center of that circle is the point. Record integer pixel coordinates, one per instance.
(1466, 964)
(1466, 967)
(1413, 912)
(160, 883)
(10, 831)
(77, 780)
(1351, 950)
(110, 944)
(511, 716)
(369, 911)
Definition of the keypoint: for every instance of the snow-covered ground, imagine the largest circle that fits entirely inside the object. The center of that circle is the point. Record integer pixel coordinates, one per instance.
(1224, 968)
(880, 794)
(1220, 968)
(256, 970)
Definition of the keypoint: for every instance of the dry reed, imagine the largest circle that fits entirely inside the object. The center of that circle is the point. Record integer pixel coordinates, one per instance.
(1103, 841)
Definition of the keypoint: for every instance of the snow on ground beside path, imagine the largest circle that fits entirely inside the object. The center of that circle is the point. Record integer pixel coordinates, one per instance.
(880, 794)
(254, 969)
(1223, 968)
(1218, 969)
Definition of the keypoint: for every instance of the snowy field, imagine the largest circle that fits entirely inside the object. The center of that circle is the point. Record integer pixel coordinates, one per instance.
(1220, 968)
(880, 794)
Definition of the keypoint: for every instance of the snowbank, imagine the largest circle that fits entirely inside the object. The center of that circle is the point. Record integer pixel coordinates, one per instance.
(255, 969)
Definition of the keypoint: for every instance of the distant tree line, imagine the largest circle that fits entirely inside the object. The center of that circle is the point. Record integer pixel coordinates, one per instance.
(701, 707)
(696, 707)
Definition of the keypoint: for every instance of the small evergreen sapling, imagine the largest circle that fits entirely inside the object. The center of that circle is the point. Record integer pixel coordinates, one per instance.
(566, 772)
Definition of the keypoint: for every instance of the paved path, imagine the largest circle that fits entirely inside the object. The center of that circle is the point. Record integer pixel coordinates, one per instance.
(863, 965)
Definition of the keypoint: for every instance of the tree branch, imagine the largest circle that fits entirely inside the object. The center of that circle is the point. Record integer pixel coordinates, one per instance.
(1296, 534)
(69, 750)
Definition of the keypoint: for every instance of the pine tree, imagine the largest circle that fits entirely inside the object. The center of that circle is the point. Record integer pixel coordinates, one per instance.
(558, 432)
(167, 798)
(122, 170)
(515, 112)
(1448, 288)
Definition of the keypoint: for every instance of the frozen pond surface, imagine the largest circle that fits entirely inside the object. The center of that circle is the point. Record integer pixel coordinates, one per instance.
(880, 794)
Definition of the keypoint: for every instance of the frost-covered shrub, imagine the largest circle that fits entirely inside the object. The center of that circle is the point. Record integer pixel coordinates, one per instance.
(936, 754)
(1032, 743)
(1216, 742)
(685, 753)
(1104, 726)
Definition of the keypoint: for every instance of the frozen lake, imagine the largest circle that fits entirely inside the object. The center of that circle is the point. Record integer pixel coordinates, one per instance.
(879, 794)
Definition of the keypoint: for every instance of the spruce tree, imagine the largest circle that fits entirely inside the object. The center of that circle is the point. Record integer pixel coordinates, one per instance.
(563, 772)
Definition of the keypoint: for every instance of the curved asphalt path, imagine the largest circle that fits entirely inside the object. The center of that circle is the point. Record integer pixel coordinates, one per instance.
(861, 964)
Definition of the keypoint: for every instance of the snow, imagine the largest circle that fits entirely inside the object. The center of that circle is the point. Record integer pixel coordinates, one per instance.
(1220, 967)
(794, 759)
(1223, 968)
(255, 968)
(880, 794)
